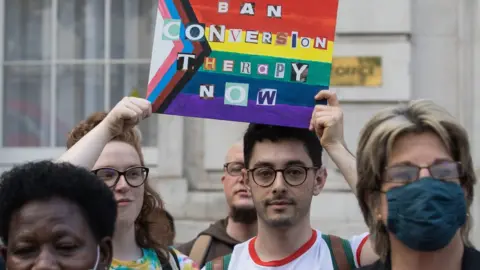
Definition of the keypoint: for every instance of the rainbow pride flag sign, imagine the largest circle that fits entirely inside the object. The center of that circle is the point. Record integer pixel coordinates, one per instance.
(247, 61)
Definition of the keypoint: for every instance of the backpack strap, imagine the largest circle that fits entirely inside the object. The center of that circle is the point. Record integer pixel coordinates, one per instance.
(340, 251)
(172, 260)
(175, 258)
(200, 248)
(220, 263)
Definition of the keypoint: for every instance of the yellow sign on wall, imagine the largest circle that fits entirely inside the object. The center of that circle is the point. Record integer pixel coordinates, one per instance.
(356, 71)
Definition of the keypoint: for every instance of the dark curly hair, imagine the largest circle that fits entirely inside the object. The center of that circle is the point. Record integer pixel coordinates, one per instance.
(152, 228)
(44, 180)
(260, 132)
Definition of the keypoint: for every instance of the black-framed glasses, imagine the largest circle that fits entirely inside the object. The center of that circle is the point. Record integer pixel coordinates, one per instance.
(234, 168)
(293, 175)
(404, 174)
(134, 176)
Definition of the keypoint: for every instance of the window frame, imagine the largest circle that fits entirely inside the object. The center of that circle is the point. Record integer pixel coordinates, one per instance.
(16, 155)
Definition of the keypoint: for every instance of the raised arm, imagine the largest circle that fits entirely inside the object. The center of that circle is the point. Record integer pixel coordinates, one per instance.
(124, 116)
(327, 121)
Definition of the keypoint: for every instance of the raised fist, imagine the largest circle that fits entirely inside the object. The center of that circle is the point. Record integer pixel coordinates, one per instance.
(327, 120)
(126, 114)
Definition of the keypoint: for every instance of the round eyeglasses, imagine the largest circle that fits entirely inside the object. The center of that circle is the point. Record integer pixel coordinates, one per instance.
(134, 176)
(293, 175)
(234, 168)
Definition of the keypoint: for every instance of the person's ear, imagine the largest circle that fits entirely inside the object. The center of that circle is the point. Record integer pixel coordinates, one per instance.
(319, 180)
(106, 253)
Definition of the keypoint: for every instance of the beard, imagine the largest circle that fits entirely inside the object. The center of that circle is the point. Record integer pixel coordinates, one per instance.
(244, 215)
(279, 219)
(282, 222)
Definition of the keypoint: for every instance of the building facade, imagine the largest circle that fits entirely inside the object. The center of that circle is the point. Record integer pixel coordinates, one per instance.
(64, 59)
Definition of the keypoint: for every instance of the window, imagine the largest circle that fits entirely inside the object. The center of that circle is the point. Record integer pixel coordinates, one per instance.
(62, 60)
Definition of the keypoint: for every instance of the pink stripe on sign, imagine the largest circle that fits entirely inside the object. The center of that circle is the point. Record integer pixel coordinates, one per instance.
(172, 57)
(163, 9)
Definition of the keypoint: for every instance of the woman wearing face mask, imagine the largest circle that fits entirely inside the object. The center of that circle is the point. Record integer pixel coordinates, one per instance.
(415, 189)
(110, 147)
(55, 216)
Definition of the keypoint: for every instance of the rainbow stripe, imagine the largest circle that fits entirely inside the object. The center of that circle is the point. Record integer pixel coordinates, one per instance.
(176, 92)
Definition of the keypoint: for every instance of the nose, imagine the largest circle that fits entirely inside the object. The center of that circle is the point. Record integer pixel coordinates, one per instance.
(240, 178)
(46, 261)
(279, 184)
(424, 172)
(122, 185)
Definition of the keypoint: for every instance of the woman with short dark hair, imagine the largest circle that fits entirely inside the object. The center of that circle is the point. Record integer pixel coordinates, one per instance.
(56, 215)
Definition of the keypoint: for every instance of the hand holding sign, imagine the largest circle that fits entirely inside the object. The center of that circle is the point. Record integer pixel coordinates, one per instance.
(126, 114)
(327, 120)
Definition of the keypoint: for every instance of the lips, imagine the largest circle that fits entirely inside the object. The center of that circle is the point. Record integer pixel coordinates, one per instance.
(123, 201)
(280, 202)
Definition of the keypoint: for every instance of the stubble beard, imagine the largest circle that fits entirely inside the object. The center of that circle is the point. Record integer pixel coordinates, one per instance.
(279, 222)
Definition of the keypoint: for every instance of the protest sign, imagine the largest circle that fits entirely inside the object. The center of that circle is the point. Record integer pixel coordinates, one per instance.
(247, 61)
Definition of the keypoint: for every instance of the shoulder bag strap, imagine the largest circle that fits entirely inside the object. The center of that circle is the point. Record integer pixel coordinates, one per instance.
(175, 258)
(200, 248)
(340, 251)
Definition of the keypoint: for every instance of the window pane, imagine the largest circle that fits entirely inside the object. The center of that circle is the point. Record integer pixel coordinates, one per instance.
(133, 23)
(125, 78)
(81, 29)
(80, 92)
(27, 29)
(26, 113)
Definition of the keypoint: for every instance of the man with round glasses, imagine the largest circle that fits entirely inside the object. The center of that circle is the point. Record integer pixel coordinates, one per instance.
(283, 171)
